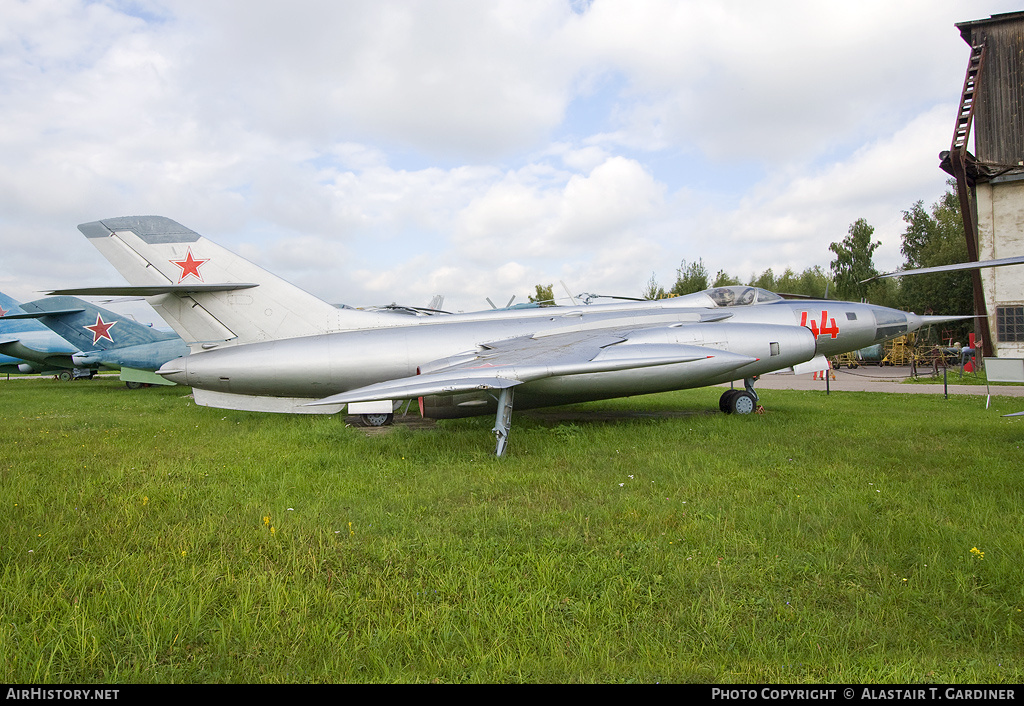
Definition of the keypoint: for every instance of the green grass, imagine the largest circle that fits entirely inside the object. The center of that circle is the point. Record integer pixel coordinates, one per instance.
(146, 539)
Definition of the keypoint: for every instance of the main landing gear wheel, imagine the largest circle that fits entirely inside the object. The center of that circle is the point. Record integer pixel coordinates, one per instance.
(377, 420)
(737, 402)
(725, 401)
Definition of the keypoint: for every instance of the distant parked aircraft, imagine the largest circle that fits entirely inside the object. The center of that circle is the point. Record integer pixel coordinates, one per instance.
(106, 339)
(29, 347)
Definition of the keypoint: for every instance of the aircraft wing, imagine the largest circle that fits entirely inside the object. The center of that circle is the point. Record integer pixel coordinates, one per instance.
(953, 268)
(15, 348)
(515, 361)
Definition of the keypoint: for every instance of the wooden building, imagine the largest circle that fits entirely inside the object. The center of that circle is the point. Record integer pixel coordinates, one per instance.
(991, 181)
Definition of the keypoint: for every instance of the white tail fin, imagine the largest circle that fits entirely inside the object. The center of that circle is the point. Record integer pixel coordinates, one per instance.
(206, 293)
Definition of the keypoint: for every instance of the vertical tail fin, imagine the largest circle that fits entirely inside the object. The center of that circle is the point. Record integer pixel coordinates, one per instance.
(12, 306)
(206, 293)
(28, 346)
(105, 338)
(90, 327)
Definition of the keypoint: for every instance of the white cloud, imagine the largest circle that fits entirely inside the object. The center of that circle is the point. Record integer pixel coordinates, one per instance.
(790, 219)
(752, 79)
(520, 217)
(462, 79)
(390, 150)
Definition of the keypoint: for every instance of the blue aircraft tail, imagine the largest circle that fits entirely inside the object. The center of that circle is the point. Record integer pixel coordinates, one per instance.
(90, 327)
(10, 307)
(27, 346)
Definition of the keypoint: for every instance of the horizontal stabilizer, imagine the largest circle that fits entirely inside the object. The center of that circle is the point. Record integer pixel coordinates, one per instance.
(152, 291)
(41, 314)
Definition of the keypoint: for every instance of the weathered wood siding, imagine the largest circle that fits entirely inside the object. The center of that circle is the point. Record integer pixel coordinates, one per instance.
(999, 113)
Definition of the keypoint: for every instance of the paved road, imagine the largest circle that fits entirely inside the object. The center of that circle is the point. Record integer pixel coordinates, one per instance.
(880, 379)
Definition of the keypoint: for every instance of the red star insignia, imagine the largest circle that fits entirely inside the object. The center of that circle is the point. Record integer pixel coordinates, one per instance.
(189, 266)
(3, 311)
(100, 330)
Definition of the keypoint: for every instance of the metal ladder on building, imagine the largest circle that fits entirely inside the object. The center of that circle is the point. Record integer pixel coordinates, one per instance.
(966, 115)
(958, 162)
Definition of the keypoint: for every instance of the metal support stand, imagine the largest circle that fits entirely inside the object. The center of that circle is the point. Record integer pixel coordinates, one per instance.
(503, 420)
(748, 387)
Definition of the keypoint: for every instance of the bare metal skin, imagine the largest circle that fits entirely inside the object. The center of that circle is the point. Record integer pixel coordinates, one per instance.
(259, 343)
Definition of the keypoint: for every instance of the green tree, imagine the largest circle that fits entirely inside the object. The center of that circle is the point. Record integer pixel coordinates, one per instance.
(652, 290)
(766, 280)
(545, 296)
(690, 278)
(932, 239)
(853, 262)
(724, 279)
(813, 282)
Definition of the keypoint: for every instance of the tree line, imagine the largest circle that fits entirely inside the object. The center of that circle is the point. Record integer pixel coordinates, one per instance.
(932, 237)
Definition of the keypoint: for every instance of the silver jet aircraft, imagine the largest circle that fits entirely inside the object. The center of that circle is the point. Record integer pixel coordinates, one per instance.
(259, 343)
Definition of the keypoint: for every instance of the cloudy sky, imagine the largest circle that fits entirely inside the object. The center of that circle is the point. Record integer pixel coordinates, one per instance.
(375, 151)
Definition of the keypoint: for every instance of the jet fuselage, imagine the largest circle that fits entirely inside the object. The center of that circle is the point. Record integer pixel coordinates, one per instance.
(774, 335)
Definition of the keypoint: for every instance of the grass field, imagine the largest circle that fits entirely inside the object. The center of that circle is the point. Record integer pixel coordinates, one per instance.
(853, 537)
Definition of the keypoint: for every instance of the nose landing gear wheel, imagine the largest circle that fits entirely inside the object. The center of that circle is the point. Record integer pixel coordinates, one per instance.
(377, 420)
(737, 402)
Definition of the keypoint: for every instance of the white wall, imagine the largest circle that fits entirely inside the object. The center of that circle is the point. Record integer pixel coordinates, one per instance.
(1001, 234)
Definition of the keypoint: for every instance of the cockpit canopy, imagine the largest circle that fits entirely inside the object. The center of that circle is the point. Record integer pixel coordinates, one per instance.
(741, 296)
(726, 297)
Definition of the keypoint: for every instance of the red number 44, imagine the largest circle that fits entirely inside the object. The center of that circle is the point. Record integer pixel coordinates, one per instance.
(828, 326)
